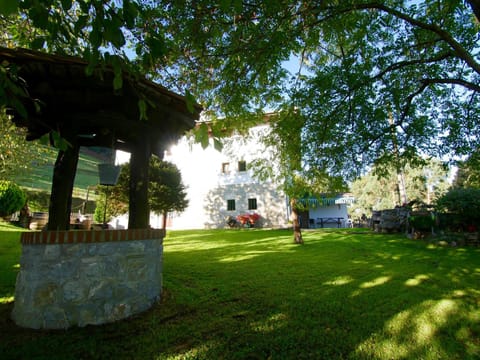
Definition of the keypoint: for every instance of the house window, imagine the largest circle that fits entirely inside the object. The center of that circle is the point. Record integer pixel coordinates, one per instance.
(226, 168)
(231, 205)
(242, 166)
(252, 204)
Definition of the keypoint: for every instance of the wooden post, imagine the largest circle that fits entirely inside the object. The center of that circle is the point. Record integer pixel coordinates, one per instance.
(62, 187)
(139, 211)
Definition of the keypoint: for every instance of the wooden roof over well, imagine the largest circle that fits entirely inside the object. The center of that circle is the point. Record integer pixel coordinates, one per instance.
(87, 105)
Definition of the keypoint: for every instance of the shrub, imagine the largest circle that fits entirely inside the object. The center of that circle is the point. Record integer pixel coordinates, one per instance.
(422, 222)
(12, 198)
(464, 203)
(38, 200)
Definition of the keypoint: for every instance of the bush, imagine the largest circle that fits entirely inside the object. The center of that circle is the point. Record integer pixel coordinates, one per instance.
(38, 200)
(114, 206)
(12, 198)
(464, 203)
(422, 222)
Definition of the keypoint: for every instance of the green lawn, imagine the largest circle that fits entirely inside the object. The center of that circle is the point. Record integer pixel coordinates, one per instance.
(252, 294)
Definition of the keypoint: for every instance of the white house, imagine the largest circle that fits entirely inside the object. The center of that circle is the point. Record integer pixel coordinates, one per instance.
(222, 185)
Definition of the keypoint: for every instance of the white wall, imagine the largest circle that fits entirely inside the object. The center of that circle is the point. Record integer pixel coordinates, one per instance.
(209, 188)
(332, 211)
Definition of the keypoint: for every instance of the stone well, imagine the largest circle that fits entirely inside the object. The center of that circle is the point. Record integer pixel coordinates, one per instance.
(82, 277)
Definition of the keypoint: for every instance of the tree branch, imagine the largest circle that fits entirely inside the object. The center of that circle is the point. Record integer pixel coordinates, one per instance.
(459, 50)
(461, 82)
(401, 64)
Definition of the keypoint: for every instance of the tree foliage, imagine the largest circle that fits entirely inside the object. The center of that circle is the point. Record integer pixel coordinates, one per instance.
(463, 202)
(166, 192)
(17, 155)
(372, 75)
(468, 174)
(423, 185)
(110, 203)
(12, 198)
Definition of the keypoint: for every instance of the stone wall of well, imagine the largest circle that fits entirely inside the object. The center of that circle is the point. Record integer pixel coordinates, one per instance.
(77, 278)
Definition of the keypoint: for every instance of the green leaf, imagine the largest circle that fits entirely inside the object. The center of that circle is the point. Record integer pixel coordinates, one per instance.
(66, 4)
(114, 34)
(156, 45)
(118, 81)
(130, 13)
(38, 43)
(39, 15)
(190, 101)
(95, 37)
(59, 142)
(116, 63)
(202, 135)
(8, 7)
(142, 107)
(217, 144)
(81, 22)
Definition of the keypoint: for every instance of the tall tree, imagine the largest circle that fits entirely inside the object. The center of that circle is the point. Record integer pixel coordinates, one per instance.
(379, 83)
(468, 174)
(359, 62)
(372, 76)
(166, 191)
(17, 155)
(424, 184)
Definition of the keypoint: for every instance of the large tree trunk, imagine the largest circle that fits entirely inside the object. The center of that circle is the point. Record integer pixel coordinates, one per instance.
(164, 220)
(139, 211)
(297, 232)
(62, 188)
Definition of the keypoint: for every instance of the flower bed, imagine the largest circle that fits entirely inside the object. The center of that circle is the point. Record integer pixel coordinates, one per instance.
(248, 220)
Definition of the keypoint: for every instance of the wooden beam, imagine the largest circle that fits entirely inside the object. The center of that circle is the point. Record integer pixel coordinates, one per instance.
(139, 210)
(62, 187)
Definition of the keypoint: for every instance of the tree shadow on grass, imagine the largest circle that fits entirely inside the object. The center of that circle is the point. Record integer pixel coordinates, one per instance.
(338, 296)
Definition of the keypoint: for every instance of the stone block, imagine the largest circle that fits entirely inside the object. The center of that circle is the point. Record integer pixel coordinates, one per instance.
(82, 283)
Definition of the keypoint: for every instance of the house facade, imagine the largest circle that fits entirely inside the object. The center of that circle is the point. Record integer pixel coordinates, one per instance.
(222, 185)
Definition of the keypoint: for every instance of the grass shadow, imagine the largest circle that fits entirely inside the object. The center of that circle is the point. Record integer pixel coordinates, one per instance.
(255, 295)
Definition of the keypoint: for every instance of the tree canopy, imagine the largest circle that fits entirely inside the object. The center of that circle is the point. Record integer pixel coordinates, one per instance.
(17, 156)
(378, 82)
(468, 174)
(423, 185)
(166, 191)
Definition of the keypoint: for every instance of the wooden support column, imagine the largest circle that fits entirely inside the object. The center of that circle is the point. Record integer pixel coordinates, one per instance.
(139, 210)
(62, 187)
